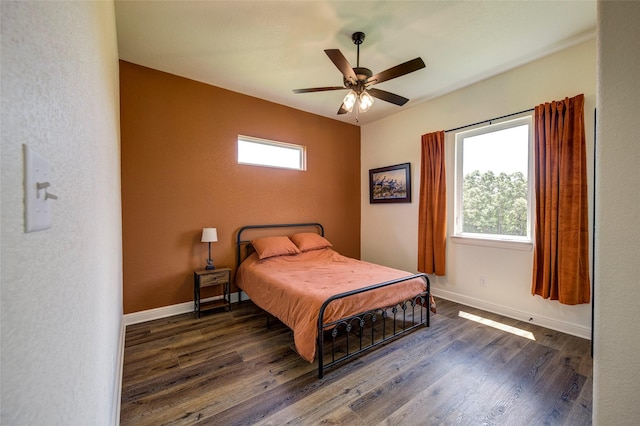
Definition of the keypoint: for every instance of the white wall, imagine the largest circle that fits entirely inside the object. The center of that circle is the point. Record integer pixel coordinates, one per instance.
(616, 369)
(389, 231)
(61, 298)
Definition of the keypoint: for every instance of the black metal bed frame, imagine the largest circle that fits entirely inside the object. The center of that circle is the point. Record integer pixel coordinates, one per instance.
(370, 328)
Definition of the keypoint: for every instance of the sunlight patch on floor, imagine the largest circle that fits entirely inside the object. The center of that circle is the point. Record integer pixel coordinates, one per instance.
(509, 329)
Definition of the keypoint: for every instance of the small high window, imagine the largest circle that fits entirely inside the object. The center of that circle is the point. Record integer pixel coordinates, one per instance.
(262, 152)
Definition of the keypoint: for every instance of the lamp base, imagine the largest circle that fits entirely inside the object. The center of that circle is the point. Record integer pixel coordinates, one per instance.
(209, 264)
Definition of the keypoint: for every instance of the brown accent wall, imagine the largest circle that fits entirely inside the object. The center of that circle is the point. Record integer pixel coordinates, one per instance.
(180, 174)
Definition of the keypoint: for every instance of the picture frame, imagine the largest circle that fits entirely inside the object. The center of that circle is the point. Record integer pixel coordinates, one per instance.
(390, 184)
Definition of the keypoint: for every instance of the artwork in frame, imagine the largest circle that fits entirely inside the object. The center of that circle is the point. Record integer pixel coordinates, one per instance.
(390, 184)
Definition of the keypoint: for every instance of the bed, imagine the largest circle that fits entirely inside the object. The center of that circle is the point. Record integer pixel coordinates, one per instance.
(337, 307)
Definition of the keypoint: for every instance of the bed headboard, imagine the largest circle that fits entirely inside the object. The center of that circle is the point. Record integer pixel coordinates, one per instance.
(250, 232)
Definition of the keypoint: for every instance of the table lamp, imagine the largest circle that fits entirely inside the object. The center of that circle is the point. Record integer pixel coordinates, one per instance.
(209, 235)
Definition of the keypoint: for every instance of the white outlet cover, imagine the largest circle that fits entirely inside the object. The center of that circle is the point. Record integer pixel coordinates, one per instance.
(37, 209)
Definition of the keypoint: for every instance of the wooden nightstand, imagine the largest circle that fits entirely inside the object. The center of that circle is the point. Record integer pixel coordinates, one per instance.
(220, 278)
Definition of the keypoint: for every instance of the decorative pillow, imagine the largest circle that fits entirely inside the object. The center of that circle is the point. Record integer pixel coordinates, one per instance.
(309, 241)
(274, 246)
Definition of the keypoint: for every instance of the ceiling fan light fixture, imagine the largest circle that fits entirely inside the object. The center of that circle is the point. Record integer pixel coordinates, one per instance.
(364, 102)
(350, 100)
(358, 80)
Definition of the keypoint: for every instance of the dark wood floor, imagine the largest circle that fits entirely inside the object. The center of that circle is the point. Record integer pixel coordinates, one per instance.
(227, 368)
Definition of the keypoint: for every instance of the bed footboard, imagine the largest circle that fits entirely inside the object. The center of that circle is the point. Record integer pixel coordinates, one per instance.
(351, 336)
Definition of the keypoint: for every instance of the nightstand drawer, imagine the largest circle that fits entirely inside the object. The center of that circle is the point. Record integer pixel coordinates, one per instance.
(214, 279)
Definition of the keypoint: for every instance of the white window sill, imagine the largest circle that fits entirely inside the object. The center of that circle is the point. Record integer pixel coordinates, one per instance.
(490, 242)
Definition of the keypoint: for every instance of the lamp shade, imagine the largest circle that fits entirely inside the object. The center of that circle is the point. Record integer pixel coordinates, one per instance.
(209, 235)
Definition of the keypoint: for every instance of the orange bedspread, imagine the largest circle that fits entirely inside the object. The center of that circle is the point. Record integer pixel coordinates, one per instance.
(293, 288)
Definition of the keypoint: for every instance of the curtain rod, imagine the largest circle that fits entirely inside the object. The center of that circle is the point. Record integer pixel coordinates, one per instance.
(489, 120)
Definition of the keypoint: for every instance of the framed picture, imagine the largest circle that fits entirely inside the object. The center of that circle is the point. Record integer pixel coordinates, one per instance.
(390, 184)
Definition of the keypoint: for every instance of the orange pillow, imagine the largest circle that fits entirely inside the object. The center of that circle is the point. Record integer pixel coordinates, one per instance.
(274, 246)
(309, 241)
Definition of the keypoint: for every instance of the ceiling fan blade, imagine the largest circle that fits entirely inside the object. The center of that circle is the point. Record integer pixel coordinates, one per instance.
(341, 63)
(397, 71)
(387, 96)
(319, 89)
(342, 110)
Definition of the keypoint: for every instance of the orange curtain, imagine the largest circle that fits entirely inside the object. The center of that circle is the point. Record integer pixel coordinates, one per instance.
(432, 221)
(561, 251)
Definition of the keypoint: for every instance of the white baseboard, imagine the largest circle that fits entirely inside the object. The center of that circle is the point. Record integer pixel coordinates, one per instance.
(563, 327)
(117, 397)
(171, 310)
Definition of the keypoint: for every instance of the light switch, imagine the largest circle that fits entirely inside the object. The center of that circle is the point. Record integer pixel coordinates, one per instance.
(38, 198)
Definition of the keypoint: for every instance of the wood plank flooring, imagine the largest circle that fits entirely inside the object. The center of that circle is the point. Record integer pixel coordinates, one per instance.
(227, 368)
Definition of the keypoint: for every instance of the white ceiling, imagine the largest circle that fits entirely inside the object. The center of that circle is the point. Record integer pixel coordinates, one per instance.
(268, 48)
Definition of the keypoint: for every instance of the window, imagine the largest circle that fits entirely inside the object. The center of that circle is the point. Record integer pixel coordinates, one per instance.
(494, 181)
(262, 152)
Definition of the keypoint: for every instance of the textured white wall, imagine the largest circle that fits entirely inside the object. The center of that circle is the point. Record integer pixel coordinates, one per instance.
(61, 299)
(390, 232)
(616, 370)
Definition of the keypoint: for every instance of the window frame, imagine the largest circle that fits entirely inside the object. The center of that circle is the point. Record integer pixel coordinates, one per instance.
(496, 240)
(250, 139)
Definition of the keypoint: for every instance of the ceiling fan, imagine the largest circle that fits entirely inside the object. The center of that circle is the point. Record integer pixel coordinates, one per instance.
(359, 80)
